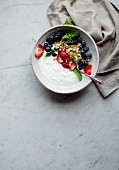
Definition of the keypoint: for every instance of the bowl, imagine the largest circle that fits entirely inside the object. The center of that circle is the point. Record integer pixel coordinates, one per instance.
(69, 87)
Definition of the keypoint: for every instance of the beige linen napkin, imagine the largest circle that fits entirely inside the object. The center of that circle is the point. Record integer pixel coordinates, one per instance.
(100, 19)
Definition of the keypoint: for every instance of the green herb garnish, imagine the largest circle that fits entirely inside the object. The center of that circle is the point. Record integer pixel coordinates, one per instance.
(48, 54)
(78, 73)
(72, 2)
(68, 38)
(69, 21)
(74, 59)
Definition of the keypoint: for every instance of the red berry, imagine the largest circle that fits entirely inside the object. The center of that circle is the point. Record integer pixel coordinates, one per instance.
(65, 65)
(63, 55)
(72, 65)
(39, 51)
(88, 69)
(59, 60)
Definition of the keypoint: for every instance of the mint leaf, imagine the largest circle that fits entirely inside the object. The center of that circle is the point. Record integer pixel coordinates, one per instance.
(78, 73)
(74, 59)
(48, 54)
(68, 38)
(69, 21)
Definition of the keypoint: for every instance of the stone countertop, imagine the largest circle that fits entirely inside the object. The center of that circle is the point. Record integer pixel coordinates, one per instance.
(41, 130)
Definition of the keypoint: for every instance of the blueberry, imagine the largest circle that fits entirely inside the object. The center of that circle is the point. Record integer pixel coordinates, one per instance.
(80, 40)
(85, 63)
(76, 37)
(45, 44)
(50, 45)
(80, 62)
(86, 48)
(47, 49)
(61, 33)
(83, 43)
(58, 36)
(54, 54)
(84, 56)
(82, 52)
(87, 55)
(57, 50)
(90, 55)
(80, 65)
(50, 40)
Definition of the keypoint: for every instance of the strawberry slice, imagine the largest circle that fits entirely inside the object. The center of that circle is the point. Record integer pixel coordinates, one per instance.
(62, 49)
(72, 65)
(39, 51)
(67, 58)
(88, 69)
(65, 65)
(59, 59)
(64, 59)
(63, 55)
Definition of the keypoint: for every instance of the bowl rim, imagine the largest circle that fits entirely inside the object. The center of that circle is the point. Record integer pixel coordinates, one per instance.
(51, 87)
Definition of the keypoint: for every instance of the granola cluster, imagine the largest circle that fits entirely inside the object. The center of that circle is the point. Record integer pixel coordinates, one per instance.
(72, 50)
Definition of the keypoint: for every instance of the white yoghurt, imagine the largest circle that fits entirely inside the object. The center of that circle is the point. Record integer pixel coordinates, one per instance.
(55, 73)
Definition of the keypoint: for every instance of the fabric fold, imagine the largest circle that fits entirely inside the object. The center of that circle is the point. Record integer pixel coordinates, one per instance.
(100, 19)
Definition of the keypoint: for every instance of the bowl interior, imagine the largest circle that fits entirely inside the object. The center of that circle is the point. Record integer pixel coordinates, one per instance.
(81, 84)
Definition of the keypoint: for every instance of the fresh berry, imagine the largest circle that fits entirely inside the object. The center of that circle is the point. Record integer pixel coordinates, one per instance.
(65, 65)
(62, 49)
(67, 59)
(50, 40)
(83, 43)
(72, 65)
(76, 37)
(80, 65)
(90, 55)
(57, 36)
(80, 40)
(86, 56)
(82, 52)
(80, 62)
(85, 63)
(50, 45)
(63, 55)
(54, 54)
(86, 49)
(47, 49)
(59, 60)
(39, 51)
(57, 50)
(45, 44)
(88, 69)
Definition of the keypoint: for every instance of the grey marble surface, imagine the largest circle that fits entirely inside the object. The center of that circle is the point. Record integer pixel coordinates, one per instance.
(41, 130)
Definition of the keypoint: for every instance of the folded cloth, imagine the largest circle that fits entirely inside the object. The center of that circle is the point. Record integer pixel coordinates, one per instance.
(100, 19)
